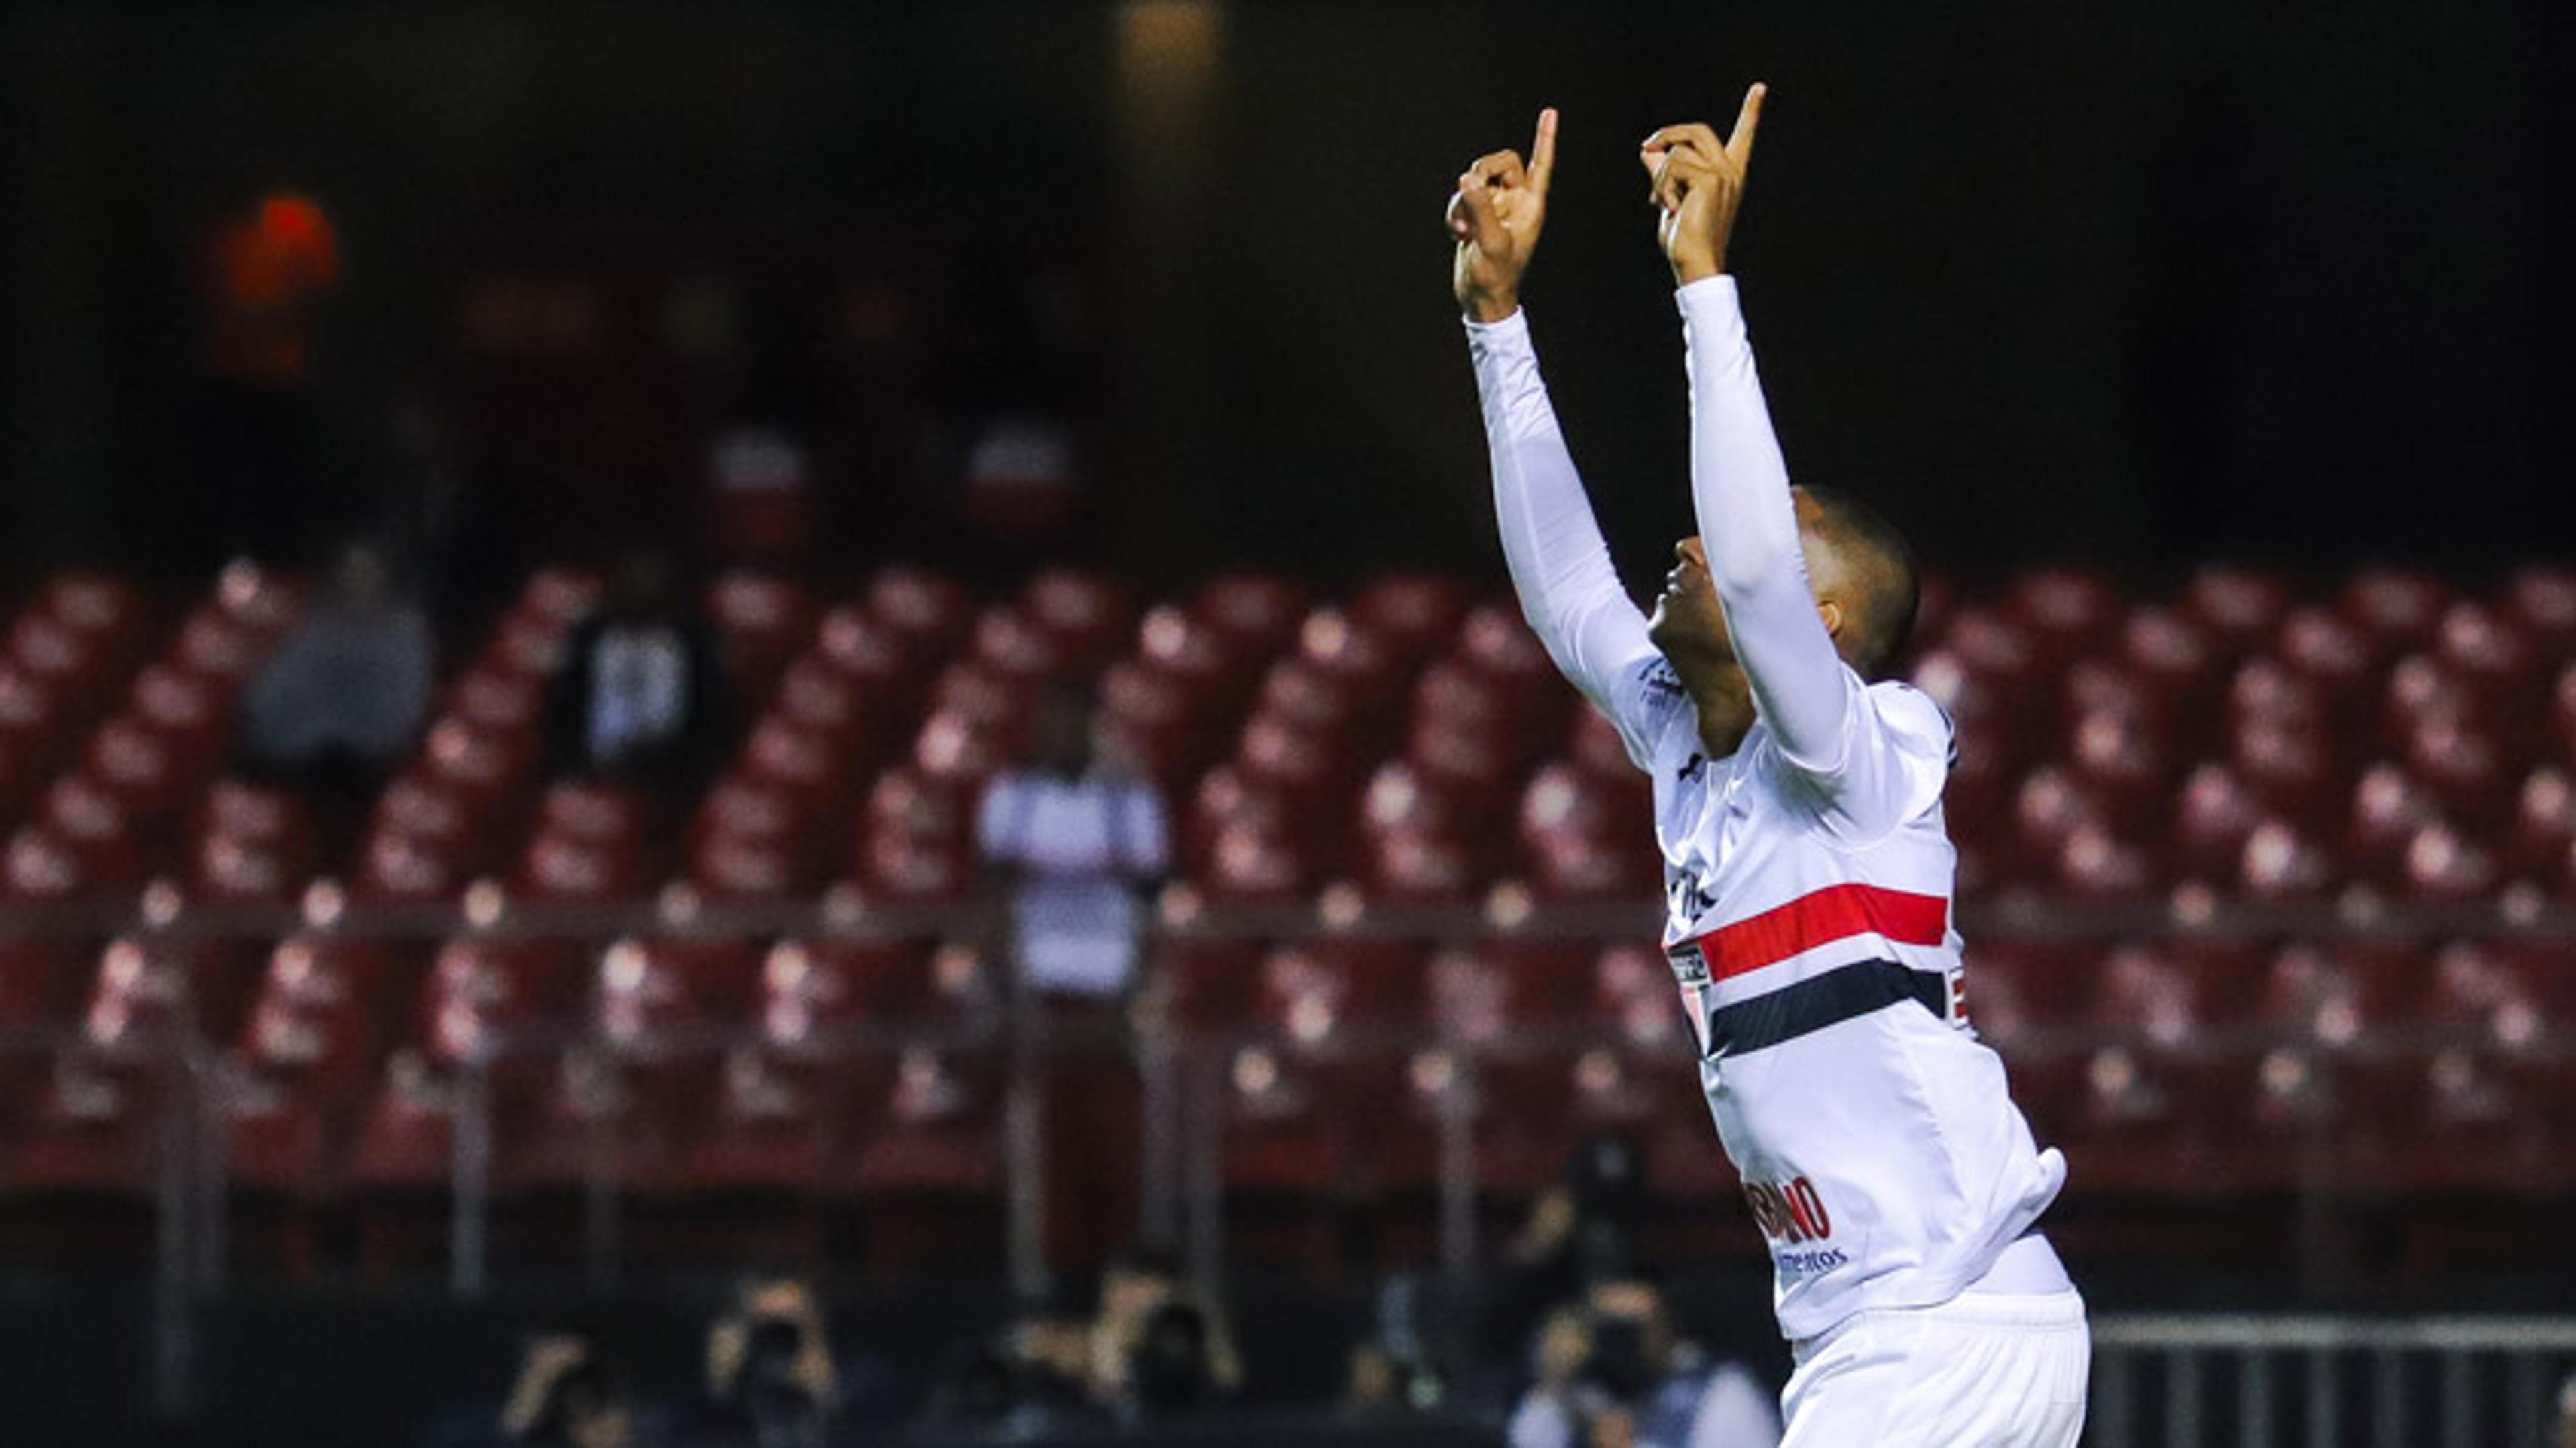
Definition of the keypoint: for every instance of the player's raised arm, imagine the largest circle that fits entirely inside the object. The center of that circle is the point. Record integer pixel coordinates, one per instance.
(1559, 565)
(1748, 519)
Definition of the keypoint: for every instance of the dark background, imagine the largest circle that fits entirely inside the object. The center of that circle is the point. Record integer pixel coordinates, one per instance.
(2144, 284)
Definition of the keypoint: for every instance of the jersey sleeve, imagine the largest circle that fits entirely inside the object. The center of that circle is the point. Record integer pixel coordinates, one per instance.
(1748, 522)
(1890, 764)
(1559, 564)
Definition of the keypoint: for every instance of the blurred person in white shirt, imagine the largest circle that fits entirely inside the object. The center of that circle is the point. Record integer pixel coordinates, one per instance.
(1074, 841)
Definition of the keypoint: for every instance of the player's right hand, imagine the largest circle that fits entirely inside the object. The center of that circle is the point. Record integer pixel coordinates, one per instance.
(1495, 216)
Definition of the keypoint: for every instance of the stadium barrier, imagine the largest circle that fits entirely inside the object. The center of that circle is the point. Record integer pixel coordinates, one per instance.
(2200, 1381)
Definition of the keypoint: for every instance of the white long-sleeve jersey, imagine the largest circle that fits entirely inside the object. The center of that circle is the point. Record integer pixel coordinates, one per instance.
(1808, 874)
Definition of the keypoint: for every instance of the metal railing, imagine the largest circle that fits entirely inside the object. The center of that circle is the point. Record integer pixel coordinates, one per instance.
(1184, 1086)
(2210, 1381)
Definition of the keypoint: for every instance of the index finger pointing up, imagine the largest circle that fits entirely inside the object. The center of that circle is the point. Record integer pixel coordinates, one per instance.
(1739, 146)
(1543, 152)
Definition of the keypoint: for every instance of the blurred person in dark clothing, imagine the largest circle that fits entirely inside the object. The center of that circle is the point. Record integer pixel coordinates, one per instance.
(1614, 1364)
(563, 1398)
(1134, 1289)
(1171, 1372)
(641, 695)
(1028, 1382)
(771, 1380)
(341, 701)
(1579, 1232)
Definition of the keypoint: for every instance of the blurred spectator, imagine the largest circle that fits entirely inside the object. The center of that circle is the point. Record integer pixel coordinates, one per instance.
(771, 1381)
(1030, 1383)
(1613, 1369)
(1142, 1358)
(1561, 1407)
(1073, 841)
(641, 695)
(1372, 1385)
(342, 699)
(2567, 1414)
(1171, 1372)
(1578, 1233)
(563, 1397)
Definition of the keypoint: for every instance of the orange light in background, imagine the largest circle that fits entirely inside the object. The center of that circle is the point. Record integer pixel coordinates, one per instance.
(270, 268)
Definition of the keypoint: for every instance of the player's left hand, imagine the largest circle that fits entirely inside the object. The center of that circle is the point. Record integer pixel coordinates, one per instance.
(1697, 182)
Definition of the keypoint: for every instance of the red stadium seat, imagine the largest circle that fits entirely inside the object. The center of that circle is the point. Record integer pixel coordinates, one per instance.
(248, 871)
(928, 612)
(761, 621)
(936, 1129)
(217, 650)
(798, 761)
(1496, 642)
(594, 812)
(500, 700)
(909, 869)
(400, 868)
(264, 601)
(2442, 864)
(42, 866)
(530, 646)
(2291, 770)
(2265, 691)
(420, 807)
(2544, 823)
(2178, 664)
(2240, 607)
(560, 594)
(1415, 614)
(183, 708)
(560, 866)
(2329, 651)
(727, 868)
(1087, 616)
(1352, 653)
(853, 644)
(817, 698)
(88, 817)
(2389, 806)
(2070, 612)
(1422, 867)
(2094, 864)
(1013, 646)
(2477, 1000)
(1216, 668)
(1258, 612)
(2398, 608)
(2282, 864)
(2125, 763)
(2213, 817)
(2541, 600)
(2464, 767)
(108, 609)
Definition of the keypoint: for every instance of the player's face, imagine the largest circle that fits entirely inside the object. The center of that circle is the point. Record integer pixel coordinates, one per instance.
(1688, 621)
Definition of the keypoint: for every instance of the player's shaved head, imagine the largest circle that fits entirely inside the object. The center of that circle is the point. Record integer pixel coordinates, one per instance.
(1857, 559)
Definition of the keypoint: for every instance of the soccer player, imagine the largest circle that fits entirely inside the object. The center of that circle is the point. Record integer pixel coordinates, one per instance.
(1808, 871)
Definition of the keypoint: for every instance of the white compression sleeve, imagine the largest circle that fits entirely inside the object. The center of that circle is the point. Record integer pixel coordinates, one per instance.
(1749, 524)
(1559, 565)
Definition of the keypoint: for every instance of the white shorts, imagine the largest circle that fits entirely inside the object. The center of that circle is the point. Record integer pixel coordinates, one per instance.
(1983, 1370)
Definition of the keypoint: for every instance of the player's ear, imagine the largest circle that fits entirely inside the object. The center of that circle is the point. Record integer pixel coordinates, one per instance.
(1832, 613)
